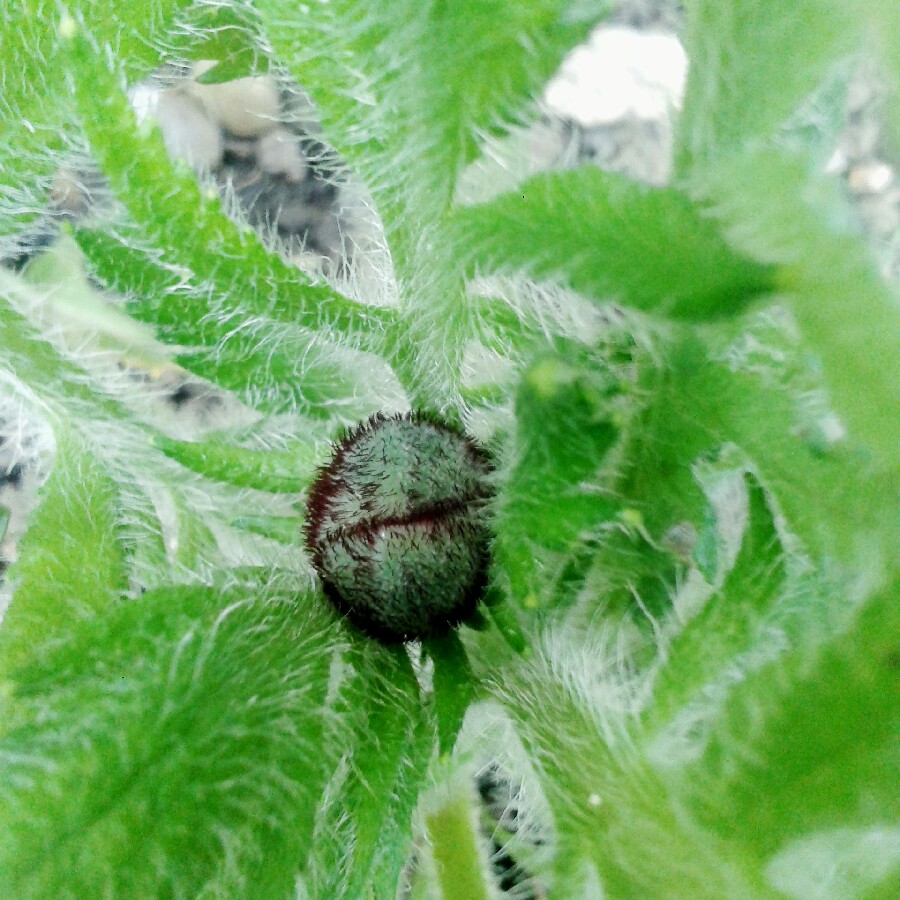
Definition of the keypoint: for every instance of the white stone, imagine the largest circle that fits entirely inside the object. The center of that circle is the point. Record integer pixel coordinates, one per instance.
(619, 72)
(279, 152)
(188, 132)
(247, 107)
(870, 178)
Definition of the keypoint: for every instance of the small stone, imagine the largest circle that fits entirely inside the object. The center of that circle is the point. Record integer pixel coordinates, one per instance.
(871, 178)
(247, 107)
(239, 149)
(187, 130)
(278, 152)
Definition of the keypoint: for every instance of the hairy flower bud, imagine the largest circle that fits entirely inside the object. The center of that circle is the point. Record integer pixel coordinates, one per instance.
(396, 524)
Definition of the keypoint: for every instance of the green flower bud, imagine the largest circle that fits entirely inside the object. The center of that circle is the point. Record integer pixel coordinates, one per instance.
(397, 526)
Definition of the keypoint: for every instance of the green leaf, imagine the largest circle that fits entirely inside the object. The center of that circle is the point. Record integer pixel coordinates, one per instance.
(395, 839)
(66, 297)
(454, 687)
(772, 207)
(809, 741)
(136, 32)
(188, 227)
(364, 840)
(565, 409)
(240, 63)
(611, 238)
(279, 471)
(707, 549)
(285, 529)
(610, 810)
(170, 749)
(707, 649)
(35, 107)
(71, 564)
(33, 111)
(223, 34)
(739, 88)
(421, 81)
(755, 390)
(127, 265)
(403, 92)
(26, 353)
(504, 618)
(191, 542)
(746, 383)
(268, 362)
(279, 368)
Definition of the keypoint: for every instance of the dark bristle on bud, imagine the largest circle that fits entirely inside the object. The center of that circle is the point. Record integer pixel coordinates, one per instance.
(397, 527)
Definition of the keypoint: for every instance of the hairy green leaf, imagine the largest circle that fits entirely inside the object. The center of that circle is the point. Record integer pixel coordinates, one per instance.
(422, 81)
(270, 363)
(454, 687)
(755, 391)
(739, 87)
(171, 748)
(133, 32)
(265, 470)
(33, 113)
(611, 238)
(404, 92)
(610, 810)
(367, 827)
(222, 33)
(701, 717)
(809, 741)
(35, 104)
(71, 565)
(554, 493)
(730, 622)
(772, 207)
(175, 214)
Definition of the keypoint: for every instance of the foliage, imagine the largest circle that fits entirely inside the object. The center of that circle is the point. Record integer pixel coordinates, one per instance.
(688, 652)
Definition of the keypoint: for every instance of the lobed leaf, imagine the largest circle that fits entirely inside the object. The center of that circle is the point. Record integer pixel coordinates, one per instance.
(809, 741)
(611, 238)
(421, 82)
(172, 748)
(553, 494)
(611, 812)
(188, 228)
(403, 93)
(70, 564)
(739, 88)
(771, 207)
(366, 832)
(707, 649)
(752, 391)
(268, 362)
